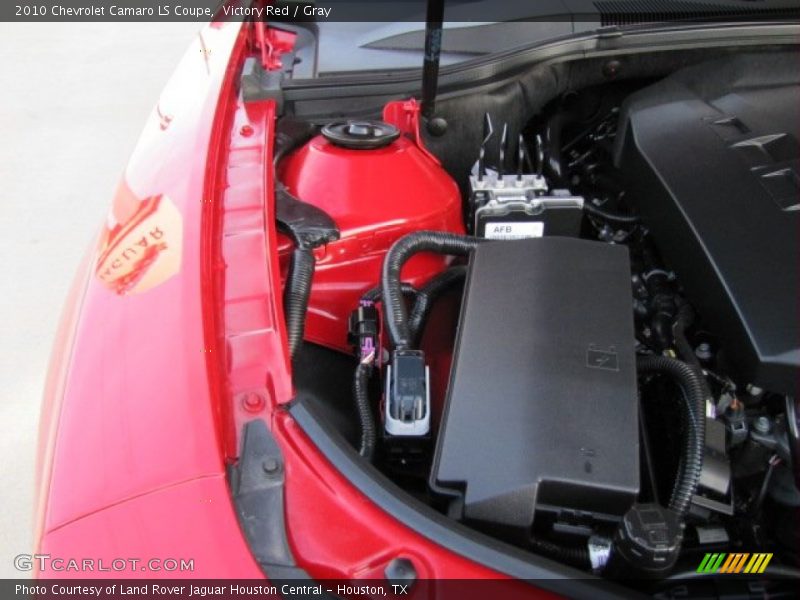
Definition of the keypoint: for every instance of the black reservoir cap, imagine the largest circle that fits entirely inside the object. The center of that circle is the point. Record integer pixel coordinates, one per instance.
(360, 134)
(649, 539)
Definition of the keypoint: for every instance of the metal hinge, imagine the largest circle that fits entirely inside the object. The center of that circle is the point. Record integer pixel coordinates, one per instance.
(262, 76)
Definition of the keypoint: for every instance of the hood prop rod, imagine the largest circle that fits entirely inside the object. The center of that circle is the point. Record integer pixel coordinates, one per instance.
(433, 49)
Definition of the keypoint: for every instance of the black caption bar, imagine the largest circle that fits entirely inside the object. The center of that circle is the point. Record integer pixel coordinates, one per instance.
(463, 11)
(375, 589)
(178, 589)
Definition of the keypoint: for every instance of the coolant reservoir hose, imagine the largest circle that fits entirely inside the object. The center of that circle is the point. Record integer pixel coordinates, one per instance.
(693, 388)
(402, 250)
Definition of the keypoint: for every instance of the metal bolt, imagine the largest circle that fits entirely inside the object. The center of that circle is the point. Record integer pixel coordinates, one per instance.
(612, 68)
(703, 351)
(401, 571)
(253, 402)
(762, 424)
(271, 466)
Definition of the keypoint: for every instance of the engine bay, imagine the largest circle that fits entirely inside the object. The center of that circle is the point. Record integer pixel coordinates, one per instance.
(586, 345)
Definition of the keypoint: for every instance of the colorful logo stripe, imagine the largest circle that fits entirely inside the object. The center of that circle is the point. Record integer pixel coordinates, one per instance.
(711, 563)
(737, 562)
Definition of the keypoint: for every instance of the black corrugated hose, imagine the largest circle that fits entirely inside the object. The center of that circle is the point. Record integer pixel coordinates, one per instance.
(692, 386)
(577, 556)
(604, 215)
(295, 296)
(684, 320)
(375, 294)
(428, 295)
(403, 249)
(361, 395)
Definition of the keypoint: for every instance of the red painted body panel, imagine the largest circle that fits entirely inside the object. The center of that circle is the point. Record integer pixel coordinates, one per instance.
(190, 521)
(133, 412)
(254, 371)
(375, 197)
(360, 539)
(148, 390)
(54, 391)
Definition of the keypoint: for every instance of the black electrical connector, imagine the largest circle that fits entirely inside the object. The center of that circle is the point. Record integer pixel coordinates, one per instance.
(363, 332)
(363, 336)
(407, 413)
(408, 402)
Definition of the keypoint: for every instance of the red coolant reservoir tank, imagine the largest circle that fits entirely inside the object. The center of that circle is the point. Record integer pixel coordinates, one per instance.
(377, 185)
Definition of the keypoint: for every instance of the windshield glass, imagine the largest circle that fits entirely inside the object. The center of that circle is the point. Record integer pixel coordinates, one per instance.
(358, 46)
(387, 35)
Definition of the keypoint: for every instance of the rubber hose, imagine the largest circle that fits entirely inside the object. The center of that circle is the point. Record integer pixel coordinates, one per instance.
(605, 215)
(682, 322)
(375, 294)
(361, 395)
(399, 253)
(428, 295)
(577, 556)
(691, 384)
(295, 296)
(552, 140)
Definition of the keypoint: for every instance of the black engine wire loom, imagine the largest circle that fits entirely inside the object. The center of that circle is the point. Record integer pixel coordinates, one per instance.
(309, 227)
(397, 320)
(404, 334)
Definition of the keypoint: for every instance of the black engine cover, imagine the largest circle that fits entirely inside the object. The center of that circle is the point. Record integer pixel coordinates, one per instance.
(541, 410)
(710, 157)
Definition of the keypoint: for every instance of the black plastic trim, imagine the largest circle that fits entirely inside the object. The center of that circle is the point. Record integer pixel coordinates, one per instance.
(500, 66)
(257, 482)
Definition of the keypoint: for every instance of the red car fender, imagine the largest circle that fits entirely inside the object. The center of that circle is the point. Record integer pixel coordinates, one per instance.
(131, 446)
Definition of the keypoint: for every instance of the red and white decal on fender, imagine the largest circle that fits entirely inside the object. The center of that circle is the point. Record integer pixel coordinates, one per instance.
(143, 249)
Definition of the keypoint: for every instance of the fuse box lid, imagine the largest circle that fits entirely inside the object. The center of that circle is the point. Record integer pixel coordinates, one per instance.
(541, 411)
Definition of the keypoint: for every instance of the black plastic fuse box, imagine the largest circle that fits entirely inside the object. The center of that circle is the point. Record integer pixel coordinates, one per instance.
(541, 410)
